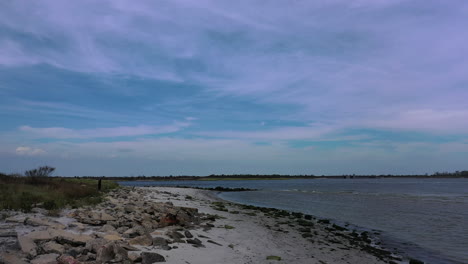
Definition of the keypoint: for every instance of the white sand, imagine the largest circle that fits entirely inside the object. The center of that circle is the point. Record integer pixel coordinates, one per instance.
(251, 240)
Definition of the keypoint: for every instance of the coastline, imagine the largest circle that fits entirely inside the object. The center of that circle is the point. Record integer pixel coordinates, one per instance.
(259, 233)
(193, 226)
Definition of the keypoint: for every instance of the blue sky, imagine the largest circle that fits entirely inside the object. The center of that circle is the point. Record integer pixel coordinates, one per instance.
(220, 87)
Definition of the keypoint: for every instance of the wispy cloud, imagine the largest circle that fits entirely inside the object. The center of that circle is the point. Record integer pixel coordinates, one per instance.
(64, 133)
(427, 120)
(28, 151)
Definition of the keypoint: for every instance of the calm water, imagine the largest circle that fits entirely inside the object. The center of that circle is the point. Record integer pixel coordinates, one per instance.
(426, 218)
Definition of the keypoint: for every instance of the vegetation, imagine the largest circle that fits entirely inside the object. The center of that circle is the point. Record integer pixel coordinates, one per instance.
(38, 189)
(223, 177)
(273, 258)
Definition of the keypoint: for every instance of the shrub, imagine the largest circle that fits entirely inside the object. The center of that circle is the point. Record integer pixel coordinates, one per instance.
(39, 175)
(50, 205)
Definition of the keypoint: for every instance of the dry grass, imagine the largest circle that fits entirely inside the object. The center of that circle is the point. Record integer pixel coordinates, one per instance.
(24, 193)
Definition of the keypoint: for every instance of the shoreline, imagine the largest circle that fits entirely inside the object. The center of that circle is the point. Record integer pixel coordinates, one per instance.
(303, 241)
(181, 225)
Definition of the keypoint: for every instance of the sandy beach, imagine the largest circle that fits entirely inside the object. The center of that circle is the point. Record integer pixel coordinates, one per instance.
(180, 225)
(256, 236)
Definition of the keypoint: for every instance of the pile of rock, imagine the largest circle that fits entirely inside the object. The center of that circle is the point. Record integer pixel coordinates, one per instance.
(126, 228)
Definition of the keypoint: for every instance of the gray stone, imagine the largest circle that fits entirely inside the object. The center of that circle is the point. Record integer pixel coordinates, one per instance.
(129, 208)
(194, 241)
(144, 240)
(11, 258)
(46, 259)
(64, 259)
(175, 235)
(71, 238)
(94, 244)
(159, 241)
(52, 247)
(188, 234)
(16, 219)
(134, 256)
(42, 221)
(112, 252)
(107, 228)
(27, 245)
(7, 233)
(150, 258)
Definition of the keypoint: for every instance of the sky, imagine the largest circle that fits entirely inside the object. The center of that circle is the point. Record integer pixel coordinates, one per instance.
(324, 87)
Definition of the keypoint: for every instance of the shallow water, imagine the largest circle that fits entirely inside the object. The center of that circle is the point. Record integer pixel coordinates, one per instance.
(426, 218)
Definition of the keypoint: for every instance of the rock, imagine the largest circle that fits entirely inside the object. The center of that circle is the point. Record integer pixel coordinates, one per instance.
(129, 209)
(112, 252)
(85, 258)
(20, 219)
(104, 217)
(122, 229)
(150, 257)
(189, 210)
(27, 245)
(175, 235)
(94, 244)
(183, 218)
(42, 221)
(134, 256)
(149, 225)
(46, 259)
(77, 225)
(194, 241)
(168, 219)
(159, 241)
(188, 234)
(11, 258)
(75, 251)
(144, 240)
(71, 238)
(64, 259)
(7, 233)
(43, 235)
(52, 247)
(112, 237)
(134, 232)
(107, 228)
(128, 247)
(213, 242)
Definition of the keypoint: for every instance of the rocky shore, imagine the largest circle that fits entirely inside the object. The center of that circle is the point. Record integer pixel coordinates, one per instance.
(179, 225)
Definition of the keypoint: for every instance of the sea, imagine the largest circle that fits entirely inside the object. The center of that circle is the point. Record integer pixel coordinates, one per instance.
(423, 218)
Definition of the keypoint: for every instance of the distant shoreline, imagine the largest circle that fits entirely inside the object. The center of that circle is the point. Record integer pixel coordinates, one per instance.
(463, 174)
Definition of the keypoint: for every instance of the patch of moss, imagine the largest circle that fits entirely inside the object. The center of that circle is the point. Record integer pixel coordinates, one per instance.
(273, 258)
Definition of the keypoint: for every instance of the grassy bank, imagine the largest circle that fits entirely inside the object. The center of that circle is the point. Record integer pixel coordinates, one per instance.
(24, 193)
